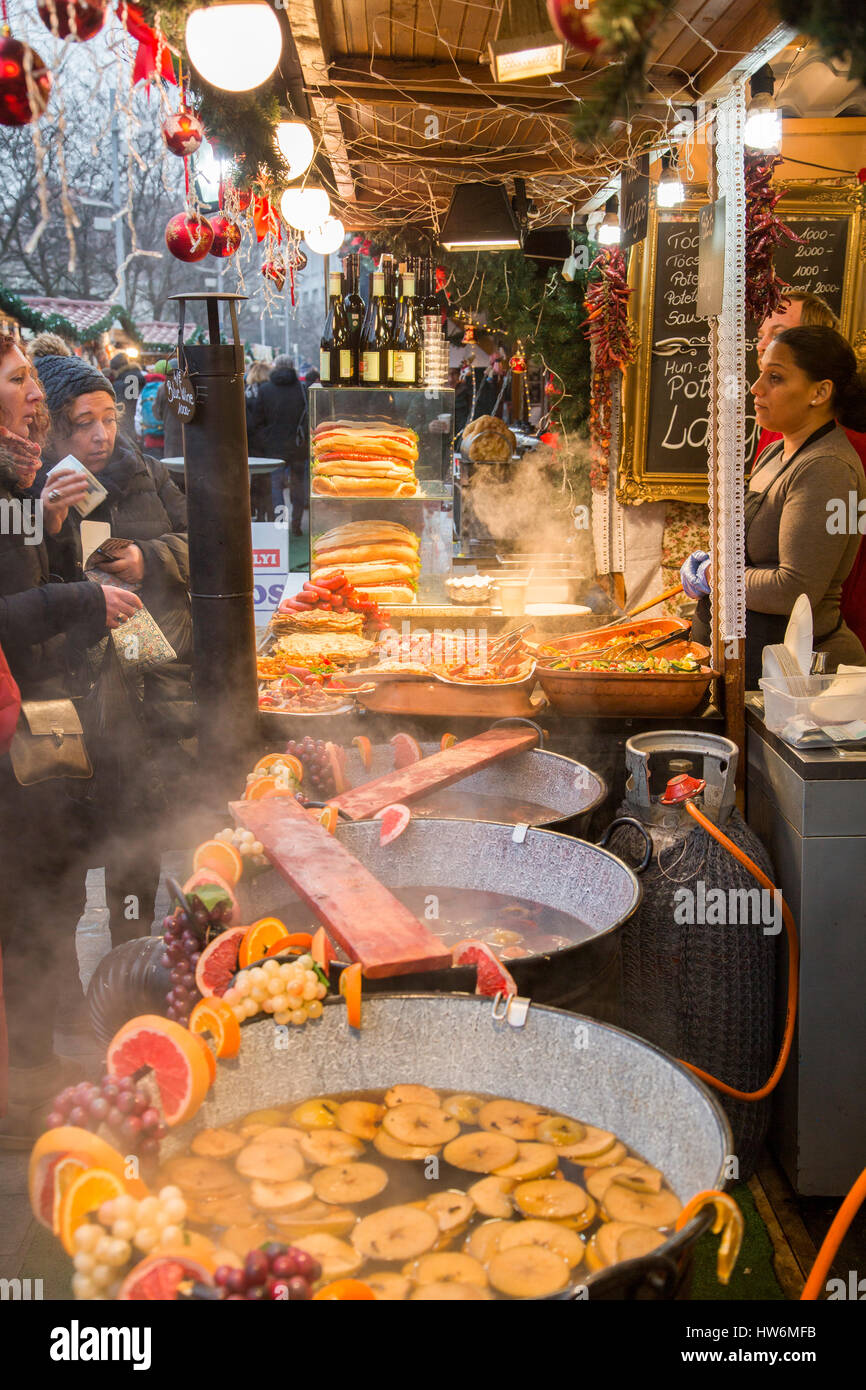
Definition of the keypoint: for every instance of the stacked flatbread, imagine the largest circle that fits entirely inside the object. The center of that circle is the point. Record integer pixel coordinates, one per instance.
(307, 648)
(379, 558)
(353, 458)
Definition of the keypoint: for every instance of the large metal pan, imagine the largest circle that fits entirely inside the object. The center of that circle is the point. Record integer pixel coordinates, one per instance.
(570, 791)
(573, 1065)
(583, 881)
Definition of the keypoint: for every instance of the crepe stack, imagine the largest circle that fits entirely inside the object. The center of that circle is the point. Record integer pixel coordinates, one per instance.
(317, 620)
(364, 459)
(379, 558)
(308, 648)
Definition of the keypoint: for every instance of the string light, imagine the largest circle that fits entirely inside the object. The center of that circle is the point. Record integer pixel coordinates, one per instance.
(763, 128)
(669, 190)
(609, 231)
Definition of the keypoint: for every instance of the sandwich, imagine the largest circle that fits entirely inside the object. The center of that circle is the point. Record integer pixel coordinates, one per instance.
(373, 572)
(364, 459)
(351, 485)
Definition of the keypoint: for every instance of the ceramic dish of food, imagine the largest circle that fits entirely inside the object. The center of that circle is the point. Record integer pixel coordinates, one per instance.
(626, 692)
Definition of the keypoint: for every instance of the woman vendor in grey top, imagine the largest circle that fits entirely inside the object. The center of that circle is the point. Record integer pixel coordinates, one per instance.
(798, 501)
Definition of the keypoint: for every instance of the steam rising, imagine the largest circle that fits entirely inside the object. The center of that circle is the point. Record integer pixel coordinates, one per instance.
(531, 506)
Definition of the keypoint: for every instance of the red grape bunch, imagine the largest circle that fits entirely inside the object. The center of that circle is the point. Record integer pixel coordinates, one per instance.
(312, 753)
(274, 1273)
(125, 1110)
(185, 935)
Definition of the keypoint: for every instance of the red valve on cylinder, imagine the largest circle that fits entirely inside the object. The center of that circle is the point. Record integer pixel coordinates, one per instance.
(681, 789)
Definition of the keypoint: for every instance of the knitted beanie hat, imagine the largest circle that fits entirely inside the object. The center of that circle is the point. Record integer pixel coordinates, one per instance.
(64, 378)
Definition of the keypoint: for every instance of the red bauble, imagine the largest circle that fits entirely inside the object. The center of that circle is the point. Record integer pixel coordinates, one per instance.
(15, 91)
(189, 238)
(226, 236)
(87, 17)
(569, 20)
(276, 271)
(182, 132)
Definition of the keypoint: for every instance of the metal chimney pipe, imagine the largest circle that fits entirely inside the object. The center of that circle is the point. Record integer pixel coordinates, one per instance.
(220, 552)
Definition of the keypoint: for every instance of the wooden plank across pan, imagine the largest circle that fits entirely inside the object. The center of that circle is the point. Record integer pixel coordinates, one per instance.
(437, 771)
(370, 924)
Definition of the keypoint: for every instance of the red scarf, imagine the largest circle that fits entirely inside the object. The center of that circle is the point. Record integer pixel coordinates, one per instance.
(22, 453)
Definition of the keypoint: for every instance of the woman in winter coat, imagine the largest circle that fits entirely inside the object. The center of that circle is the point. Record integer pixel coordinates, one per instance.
(277, 422)
(45, 631)
(154, 710)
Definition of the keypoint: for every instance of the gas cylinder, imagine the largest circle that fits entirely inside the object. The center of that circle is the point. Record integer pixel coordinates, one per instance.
(699, 955)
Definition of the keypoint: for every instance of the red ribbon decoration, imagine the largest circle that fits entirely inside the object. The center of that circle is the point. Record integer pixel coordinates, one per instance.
(149, 45)
(264, 218)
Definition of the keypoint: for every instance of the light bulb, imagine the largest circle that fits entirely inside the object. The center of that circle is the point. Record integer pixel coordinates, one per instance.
(327, 238)
(234, 46)
(763, 128)
(295, 141)
(608, 232)
(305, 207)
(669, 190)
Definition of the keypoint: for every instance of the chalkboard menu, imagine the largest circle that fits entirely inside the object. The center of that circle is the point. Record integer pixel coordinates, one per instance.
(666, 402)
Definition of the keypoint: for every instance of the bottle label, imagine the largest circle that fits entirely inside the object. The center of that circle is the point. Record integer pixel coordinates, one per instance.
(404, 367)
(325, 365)
(370, 367)
(346, 366)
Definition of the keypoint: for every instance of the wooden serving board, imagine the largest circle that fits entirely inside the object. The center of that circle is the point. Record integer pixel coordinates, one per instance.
(370, 924)
(437, 771)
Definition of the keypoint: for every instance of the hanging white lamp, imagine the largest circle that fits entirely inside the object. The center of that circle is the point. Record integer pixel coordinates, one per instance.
(295, 141)
(305, 207)
(327, 238)
(234, 46)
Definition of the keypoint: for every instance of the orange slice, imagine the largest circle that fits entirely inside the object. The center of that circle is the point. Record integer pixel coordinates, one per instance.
(178, 1059)
(327, 817)
(66, 1172)
(365, 748)
(267, 786)
(448, 741)
(222, 858)
(84, 1195)
(69, 1142)
(345, 1290)
(300, 940)
(216, 1017)
(322, 951)
(350, 988)
(259, 937)
(335, 763)
(266, 766)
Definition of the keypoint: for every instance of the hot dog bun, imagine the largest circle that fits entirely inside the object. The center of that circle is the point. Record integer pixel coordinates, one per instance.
(366, 533)
(389, 551)
(371, 572)
(385, 594)
(373, 486)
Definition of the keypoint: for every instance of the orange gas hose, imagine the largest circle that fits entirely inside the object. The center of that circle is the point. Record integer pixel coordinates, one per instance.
(833, 1239)
(793, 969)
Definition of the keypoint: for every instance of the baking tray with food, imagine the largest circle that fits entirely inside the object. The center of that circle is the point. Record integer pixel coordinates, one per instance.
(671, 681)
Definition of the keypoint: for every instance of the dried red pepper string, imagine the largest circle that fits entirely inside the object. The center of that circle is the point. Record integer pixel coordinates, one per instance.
(608, 330)
(765, 290)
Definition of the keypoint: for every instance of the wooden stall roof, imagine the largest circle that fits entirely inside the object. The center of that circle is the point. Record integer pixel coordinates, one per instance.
(404, 99)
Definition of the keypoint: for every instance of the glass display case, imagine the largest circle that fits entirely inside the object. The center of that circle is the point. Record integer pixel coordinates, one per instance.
(427, 481)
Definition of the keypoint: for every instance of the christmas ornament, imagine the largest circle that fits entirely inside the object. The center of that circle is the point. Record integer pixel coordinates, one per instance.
(299, 260)
(568, 18)
(182, 132)
(550, 387)
(189, 238)
(244, 196)
(25, 82)
(468, 334)
(80, 18)
(226, 236)
(517, 363)
(275, 270)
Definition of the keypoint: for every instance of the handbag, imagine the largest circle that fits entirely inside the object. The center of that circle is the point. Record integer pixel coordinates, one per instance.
(48, 742)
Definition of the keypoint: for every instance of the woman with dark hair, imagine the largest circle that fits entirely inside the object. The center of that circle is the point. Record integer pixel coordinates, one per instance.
(45, 629)
(797, 491)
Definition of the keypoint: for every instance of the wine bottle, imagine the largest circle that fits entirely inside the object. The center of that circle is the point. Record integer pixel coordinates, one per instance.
(389, 267)
(408, 344)
(376, 339)
(329, 348)
(352, 301)
(432, 302)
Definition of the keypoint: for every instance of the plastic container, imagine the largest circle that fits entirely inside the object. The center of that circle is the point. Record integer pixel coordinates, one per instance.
(847, 703)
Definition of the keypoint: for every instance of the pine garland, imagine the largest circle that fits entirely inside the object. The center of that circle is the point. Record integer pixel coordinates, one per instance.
(838, 26)
(28, 317)
(625, 28)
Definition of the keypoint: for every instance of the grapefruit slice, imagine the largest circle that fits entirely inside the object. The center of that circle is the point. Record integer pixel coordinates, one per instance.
(218, 962)
(258, 938)
(204, 883)
(210, 1060)
(406, 751)
(365, 748)
(336, 762)
(84, 1195)
(70, 1142)
(492, 977)
(223, 858)
(159, 1277)
(215, 1016)
(175, 1056)
(394, 820)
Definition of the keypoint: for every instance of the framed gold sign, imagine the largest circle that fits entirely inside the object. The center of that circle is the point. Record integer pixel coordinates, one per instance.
(666, 391)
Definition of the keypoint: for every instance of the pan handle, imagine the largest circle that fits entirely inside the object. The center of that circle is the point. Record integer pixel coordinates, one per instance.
(320, 806)
(630, 820)
(645, 1279)
(515, 719)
